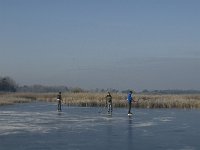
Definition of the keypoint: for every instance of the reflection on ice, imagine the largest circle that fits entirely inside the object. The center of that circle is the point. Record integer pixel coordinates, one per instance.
(164, 119)
(144, 124)
(188, 148)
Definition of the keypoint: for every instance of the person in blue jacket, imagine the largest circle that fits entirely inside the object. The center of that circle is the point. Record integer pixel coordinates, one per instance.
(129, 99)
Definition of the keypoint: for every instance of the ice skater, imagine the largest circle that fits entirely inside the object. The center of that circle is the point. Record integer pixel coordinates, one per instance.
(59, 100)
(109, 102)
(129, 99)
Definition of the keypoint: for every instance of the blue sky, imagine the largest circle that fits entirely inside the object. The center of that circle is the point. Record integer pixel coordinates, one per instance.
(137, 44)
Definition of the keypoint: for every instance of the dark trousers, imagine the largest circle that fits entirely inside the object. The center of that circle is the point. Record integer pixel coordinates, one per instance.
(59, 105)
(109, 105)
(129, 107)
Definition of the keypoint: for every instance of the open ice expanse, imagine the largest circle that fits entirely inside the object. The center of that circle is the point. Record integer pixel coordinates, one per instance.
(38, 125)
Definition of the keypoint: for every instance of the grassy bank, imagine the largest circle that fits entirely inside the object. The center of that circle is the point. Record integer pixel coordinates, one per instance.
(98, 99)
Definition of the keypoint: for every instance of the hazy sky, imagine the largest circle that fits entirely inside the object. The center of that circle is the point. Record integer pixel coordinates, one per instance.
(121, 44)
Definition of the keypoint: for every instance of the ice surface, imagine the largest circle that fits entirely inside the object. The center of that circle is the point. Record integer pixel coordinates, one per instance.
(40, 126)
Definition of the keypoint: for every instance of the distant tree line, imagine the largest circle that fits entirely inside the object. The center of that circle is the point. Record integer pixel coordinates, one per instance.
(105, 90)
(7, 84)
(41, 88)
(170, 91)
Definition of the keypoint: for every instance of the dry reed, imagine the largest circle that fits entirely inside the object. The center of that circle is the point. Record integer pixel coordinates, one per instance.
(98, 99)
(8, 99)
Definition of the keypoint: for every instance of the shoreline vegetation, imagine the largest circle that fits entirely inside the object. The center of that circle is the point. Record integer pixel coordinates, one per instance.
(90, 99)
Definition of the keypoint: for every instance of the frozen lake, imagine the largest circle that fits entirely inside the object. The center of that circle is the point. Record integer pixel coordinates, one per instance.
(37, 126)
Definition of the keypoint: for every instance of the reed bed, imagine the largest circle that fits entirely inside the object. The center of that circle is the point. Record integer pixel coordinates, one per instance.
(98, 99)
(168, 101)
(8, 99)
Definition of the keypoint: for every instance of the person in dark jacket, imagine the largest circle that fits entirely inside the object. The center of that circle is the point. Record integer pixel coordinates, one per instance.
(59, 99)
(109, 102)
